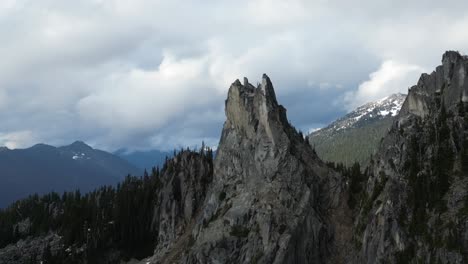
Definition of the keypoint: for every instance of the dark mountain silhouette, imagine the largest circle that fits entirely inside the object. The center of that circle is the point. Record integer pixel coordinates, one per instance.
(43, 168)
(145, 159)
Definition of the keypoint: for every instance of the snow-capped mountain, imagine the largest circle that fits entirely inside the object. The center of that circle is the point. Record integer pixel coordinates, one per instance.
(354, 137)
(370, 112)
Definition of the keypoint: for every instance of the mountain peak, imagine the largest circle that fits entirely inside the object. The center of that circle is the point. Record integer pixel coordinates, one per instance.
(369, 112)
(251, 109)
(42, 146)
(4, 148)
(80, 145)
(259, 167)
(364, 126)
(451, 56)
(446, 86)
(267, 88)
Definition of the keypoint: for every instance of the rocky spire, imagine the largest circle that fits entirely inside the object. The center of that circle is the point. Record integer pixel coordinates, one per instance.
(264, 205)
(256, 110)
(447, 86)
(418, 181)
(267, 88)
(450, 57)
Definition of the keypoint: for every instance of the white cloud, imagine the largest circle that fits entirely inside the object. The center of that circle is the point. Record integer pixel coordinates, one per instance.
(142, 100)
(155, 73)
(17, 139)
(392, 77)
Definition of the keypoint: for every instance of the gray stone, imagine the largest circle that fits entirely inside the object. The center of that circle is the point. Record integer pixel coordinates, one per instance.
(391, 226)
(270, 192)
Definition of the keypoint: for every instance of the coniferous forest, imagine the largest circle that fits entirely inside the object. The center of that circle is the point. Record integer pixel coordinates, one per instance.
(115, 219)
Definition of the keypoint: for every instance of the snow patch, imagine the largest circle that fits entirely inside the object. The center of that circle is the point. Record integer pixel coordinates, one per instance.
(384, 113)
(312, 130)
(77, 156)
(386, 107)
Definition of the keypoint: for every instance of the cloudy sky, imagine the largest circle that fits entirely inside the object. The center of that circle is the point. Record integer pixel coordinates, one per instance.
(154, 74)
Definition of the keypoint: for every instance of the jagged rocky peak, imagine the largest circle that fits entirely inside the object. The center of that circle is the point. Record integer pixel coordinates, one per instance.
(417, 204)
(266, 87)
(248, 107)
(79, 146)
(264, 205)
(449, 58)
(251, 97)
(255, 118)
(3, 148)
(446, 85)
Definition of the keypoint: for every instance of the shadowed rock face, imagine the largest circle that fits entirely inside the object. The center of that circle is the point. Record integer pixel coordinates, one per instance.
(417, 200)
(269, 191)
(448, 83)
(184, 184)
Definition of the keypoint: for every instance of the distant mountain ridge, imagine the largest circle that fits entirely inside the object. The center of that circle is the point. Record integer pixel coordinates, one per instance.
(145, 159)
(44, 168)
(355, 136)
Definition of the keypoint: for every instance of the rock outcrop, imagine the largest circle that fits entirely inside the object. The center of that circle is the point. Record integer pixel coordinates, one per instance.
(31, 250)
(270, 197)
(416, 209)
(184, 182)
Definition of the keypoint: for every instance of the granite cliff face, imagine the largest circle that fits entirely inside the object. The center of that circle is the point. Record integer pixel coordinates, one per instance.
(416, 205)
(184, 186)
(270, 195)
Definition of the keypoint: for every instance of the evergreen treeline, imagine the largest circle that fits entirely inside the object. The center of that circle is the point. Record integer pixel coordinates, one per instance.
(351, 145)
(109, 218)
(356, 179)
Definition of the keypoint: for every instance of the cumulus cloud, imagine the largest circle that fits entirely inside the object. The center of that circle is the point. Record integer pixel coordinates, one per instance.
(154, 74)
(392, 77)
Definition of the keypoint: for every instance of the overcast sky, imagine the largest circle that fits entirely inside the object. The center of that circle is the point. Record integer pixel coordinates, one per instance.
(154, 74)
